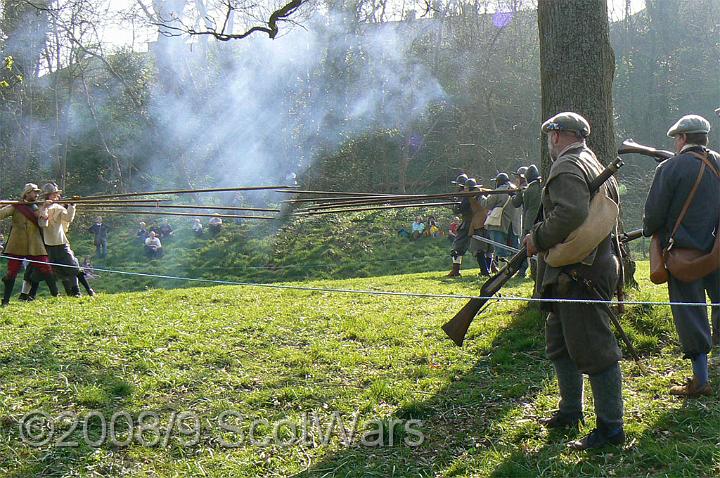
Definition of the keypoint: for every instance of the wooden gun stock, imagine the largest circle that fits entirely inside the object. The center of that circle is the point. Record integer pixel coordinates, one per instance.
(629, 146)
(457, 327)
(631, 236)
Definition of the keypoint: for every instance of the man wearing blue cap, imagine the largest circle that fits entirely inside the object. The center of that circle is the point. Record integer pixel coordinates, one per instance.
(670, 194)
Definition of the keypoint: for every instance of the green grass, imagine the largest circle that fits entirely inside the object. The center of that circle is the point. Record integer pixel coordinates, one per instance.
(280, 354)
(363, 244)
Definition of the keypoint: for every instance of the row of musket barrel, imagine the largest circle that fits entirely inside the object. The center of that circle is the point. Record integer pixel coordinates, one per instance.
(308, 202)
(305, 202)
(330, 202)
(128, 203)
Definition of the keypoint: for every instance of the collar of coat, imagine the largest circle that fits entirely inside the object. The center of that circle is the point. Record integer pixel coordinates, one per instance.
(699, 147)
(578, 144)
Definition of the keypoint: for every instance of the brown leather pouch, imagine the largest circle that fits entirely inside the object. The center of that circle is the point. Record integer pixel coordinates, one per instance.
(689, 265)
(686, 265)
(658, 269)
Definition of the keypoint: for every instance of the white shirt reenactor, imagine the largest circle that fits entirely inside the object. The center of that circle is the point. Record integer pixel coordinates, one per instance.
(54, 219)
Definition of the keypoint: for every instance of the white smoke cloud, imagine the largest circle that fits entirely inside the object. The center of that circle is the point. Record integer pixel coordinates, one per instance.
(253, 110)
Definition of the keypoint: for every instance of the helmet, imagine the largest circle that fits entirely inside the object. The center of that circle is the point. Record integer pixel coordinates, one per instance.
(470, 184)
(50, 188)
(460, 180)
(532, 173)
(522, 170)
(501, 179)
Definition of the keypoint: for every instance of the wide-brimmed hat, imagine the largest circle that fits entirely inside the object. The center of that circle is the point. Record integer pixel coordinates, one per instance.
(50, 188)
(460, 180)
(30, 187)
(502, 178)
(471, 184)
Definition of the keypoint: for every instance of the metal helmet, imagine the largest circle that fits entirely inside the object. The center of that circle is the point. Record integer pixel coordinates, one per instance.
(50, 188)
(522, 171)
(501, 179)
(471, 184)
(532, 173)
(460, 180)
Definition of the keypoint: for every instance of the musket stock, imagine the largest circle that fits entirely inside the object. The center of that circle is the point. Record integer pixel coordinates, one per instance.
(631, 236)
(457, 327)
(629, 146)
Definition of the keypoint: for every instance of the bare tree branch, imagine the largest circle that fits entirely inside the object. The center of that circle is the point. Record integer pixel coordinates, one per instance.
(145, 9)
(70, 35)
(175, 27)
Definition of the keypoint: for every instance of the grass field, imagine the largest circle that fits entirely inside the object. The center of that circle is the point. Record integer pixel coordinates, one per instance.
(332, 246)
(197, 369)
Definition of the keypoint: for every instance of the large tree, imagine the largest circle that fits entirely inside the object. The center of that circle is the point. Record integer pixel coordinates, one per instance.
(577, 65)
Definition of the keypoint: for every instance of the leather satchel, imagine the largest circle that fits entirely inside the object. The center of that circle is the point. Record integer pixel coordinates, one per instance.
(658, 270)
(686, 265)
(689, 265)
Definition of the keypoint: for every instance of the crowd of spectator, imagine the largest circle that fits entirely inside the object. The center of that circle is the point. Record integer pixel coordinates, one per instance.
(151, 238)
(425, 228)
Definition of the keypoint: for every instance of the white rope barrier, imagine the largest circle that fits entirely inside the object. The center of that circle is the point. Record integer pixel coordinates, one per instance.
(498, 298)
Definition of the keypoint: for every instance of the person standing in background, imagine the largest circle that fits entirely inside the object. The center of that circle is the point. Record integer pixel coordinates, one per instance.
(100, 231)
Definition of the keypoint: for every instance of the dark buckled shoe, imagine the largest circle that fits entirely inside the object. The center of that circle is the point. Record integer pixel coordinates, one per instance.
(599, 438)
(25, 297)
(562, 420)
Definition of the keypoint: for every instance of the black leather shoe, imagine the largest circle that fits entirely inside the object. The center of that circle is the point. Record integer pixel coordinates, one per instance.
(599, 438)
(562, 420)
(25, 297)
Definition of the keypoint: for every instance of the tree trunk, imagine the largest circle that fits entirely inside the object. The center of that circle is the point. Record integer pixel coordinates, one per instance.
(577, 65)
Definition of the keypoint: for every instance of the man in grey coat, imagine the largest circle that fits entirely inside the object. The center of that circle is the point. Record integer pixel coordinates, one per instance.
(671, 186)
(578, 335)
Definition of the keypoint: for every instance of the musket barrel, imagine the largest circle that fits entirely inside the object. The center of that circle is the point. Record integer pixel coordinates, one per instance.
(165, 213)
(374, 208)
(191, 191)
(188, 206)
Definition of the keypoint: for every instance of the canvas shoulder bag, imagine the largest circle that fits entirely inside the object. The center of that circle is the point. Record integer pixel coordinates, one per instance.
(601, 221)
(494, 217)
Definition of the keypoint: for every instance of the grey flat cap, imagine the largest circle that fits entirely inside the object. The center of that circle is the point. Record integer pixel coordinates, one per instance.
(689, 124)
(567, 121)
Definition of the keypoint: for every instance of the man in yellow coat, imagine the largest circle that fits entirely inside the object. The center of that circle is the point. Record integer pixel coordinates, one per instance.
(25, 242)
